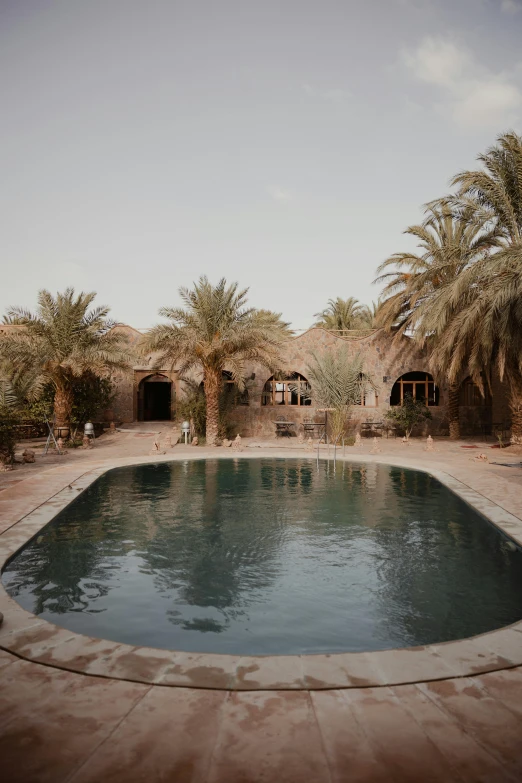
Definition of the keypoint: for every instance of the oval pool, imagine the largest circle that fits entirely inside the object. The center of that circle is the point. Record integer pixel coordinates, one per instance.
(269, 556)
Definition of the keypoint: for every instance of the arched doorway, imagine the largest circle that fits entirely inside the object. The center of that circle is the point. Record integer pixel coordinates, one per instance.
(155, 398)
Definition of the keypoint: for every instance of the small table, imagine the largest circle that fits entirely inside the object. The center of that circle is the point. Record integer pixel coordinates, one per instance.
(283, 427)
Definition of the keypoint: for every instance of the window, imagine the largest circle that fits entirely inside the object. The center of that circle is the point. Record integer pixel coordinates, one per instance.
(240, 397)
(369, 397)
(292, 389)
(470, 394)
(419, 385)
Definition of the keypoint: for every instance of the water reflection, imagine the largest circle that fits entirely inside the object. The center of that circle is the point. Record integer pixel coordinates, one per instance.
(269, 556)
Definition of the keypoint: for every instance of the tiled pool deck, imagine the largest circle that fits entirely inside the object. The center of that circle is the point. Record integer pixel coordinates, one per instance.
(77, 709)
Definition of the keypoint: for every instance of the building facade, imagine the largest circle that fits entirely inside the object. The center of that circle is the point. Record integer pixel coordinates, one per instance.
(151, 393)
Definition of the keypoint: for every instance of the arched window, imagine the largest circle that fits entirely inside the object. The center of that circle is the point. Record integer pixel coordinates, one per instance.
(288, 389)
(419, 385)
(470, 394)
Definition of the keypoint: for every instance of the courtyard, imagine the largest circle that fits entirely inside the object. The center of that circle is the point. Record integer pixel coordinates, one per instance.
(80, 709)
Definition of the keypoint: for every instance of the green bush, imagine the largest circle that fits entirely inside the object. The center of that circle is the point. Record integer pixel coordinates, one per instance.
(9, 418)
(91, 395)
(409, 414)
(193, 407)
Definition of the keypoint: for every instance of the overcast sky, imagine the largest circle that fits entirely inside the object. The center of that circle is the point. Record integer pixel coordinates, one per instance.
(285, 144)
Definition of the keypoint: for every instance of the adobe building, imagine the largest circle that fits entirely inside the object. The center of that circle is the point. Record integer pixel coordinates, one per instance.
(151, 393)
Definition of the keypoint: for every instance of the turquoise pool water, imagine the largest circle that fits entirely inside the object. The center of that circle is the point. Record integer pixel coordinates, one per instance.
(269, 556)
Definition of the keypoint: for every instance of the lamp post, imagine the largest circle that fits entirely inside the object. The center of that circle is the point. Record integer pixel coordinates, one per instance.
(185, 429)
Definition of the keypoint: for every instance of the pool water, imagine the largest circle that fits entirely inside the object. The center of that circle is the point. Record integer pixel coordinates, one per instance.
(269, 556)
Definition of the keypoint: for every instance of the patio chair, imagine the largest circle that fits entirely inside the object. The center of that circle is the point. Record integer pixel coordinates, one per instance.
(308, 428)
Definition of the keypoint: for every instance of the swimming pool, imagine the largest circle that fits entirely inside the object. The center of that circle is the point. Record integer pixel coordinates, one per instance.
(269, 556)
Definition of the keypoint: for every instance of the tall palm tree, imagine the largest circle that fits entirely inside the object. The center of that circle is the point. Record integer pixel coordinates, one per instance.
(448, 245)
(477, 319)
(60, 342)
(344, 315)
(215, 331)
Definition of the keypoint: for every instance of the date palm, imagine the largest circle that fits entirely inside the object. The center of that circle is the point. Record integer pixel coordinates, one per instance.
(344, 315)
(215, 331)
(448, 245)
(477, 318)
(338, 382)
(60, 342)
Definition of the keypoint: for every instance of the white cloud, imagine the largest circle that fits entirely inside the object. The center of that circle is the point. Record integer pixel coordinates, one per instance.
(280, 194)
(437, 61)
(487, 102)
(511, 6)
(472, 95)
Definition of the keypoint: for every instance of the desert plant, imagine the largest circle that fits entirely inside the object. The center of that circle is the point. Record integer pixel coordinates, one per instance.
(408, 415)
(62, 342)
(9, 418)
(215, 331)
(192, 407)
(91, 395)
(337, 381)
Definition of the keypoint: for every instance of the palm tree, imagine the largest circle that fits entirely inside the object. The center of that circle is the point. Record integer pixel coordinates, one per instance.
(344, 315)
(338, 381)
(61, 342)
(215, 332)
(448, 244)
(370, 315)
(477, 318)
(276, 320)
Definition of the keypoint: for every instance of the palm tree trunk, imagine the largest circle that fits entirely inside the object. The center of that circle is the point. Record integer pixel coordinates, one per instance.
(63, 402)
(453, 411)
(515, 405)
(212, 390)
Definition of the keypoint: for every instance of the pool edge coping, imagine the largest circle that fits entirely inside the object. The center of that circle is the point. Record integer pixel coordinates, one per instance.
(28, 637)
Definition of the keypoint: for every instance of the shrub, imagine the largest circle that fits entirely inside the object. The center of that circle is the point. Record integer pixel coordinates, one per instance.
(90, 394)
(407, 415)
(338, 381)
(9, 419)
(193, 407)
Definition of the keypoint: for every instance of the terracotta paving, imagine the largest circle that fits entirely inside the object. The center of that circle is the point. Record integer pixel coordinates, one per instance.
(58, 725)
(61, 726)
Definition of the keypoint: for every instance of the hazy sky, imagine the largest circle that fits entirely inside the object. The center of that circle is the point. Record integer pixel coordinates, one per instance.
(285, 144)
